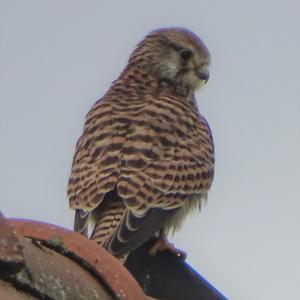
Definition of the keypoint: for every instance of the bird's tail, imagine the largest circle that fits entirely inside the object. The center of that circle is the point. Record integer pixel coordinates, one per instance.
(107, 222)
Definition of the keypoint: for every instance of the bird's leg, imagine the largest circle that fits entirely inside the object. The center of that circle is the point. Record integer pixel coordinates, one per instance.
(162, 244)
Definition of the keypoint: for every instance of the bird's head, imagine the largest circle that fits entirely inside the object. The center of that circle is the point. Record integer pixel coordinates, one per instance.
(175, 56)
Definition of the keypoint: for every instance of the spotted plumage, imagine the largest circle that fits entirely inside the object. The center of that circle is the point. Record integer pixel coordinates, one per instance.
(146, 155)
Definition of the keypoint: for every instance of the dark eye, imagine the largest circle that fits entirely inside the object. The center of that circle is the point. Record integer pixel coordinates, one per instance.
(185, 54)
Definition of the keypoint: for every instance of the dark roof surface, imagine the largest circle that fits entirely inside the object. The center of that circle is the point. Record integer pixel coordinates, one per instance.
(166, 276)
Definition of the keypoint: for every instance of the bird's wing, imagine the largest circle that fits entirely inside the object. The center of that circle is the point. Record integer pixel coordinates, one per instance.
(154, 156)
(167, 156)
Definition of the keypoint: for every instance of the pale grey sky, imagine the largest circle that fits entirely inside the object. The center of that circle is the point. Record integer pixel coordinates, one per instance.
(58, 57)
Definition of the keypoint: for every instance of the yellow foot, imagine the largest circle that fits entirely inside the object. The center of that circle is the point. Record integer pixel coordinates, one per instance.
(162, 244)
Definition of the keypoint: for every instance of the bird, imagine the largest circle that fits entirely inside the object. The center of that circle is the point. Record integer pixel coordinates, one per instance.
(145, 159)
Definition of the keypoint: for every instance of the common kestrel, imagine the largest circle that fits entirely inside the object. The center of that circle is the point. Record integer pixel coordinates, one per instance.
(146, 155)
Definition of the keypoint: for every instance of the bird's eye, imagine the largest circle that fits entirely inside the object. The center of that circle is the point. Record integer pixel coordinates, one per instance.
(185, 54)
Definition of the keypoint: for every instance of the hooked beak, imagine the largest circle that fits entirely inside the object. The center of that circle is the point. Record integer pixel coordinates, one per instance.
(203, 73)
